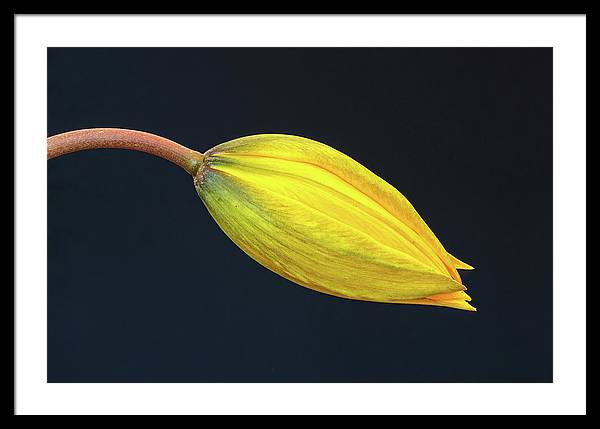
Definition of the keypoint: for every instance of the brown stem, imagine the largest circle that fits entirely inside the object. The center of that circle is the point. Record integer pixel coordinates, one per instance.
(116, 138)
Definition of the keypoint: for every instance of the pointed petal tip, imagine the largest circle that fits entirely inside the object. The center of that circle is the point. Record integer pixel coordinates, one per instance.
(461, 305)
(458, 304)
(458, 264)
(457, 300)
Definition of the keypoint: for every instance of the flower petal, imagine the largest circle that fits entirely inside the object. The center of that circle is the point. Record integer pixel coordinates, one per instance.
(388, 198)
(313, 248)
(320, 219)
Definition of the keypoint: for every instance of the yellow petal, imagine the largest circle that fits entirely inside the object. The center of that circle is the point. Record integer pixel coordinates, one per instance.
(315, 216)
(452, 296)
(459, 304)
(458, 264)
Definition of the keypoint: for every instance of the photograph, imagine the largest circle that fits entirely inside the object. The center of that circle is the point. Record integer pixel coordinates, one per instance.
(400, 200)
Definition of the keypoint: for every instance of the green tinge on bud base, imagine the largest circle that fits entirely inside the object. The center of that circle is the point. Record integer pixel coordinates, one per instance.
(320, 219)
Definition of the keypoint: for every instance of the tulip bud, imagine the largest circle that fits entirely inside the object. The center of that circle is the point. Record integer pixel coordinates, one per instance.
(322, 220)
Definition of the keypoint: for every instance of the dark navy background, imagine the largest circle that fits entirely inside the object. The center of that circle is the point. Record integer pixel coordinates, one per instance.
(144, 287)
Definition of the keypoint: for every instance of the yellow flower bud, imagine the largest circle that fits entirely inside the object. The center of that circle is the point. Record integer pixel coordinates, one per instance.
(322, 220)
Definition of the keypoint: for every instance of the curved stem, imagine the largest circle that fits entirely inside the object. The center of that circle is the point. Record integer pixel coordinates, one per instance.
(116, 138)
